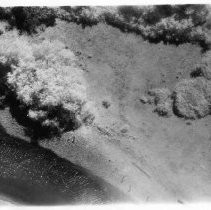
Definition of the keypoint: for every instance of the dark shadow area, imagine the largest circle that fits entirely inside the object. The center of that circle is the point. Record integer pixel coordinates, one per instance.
(196, 73)
(33, 128)
(174, 107)
(36, 176)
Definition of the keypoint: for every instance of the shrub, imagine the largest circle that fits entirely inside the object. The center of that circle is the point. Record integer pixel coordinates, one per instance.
(174, 31)
(27, 19)
(202, 70)
(87, 16)
(145, 100)
(207, 63)
(46, 81)
(192, 98)
(162, 101)
(106, 104)
(170, 24)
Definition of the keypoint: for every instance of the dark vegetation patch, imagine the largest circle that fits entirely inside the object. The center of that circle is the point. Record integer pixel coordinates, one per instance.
(34, 128)
(106, 104)
(27, 19)
(198, 71)
(174, 24)
(202, 70)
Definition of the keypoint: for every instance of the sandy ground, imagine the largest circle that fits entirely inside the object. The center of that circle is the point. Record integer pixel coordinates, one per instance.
(161, 167)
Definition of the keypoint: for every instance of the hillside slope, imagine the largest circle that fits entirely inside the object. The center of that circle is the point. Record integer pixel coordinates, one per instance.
(148, 157)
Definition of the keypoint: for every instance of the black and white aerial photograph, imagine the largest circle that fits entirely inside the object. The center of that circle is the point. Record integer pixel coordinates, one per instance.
(105, 105)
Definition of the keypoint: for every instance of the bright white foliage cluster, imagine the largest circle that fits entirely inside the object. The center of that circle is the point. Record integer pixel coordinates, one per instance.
(44, 75)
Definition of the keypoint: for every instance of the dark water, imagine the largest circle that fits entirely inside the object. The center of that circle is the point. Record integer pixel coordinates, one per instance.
(32, 175)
